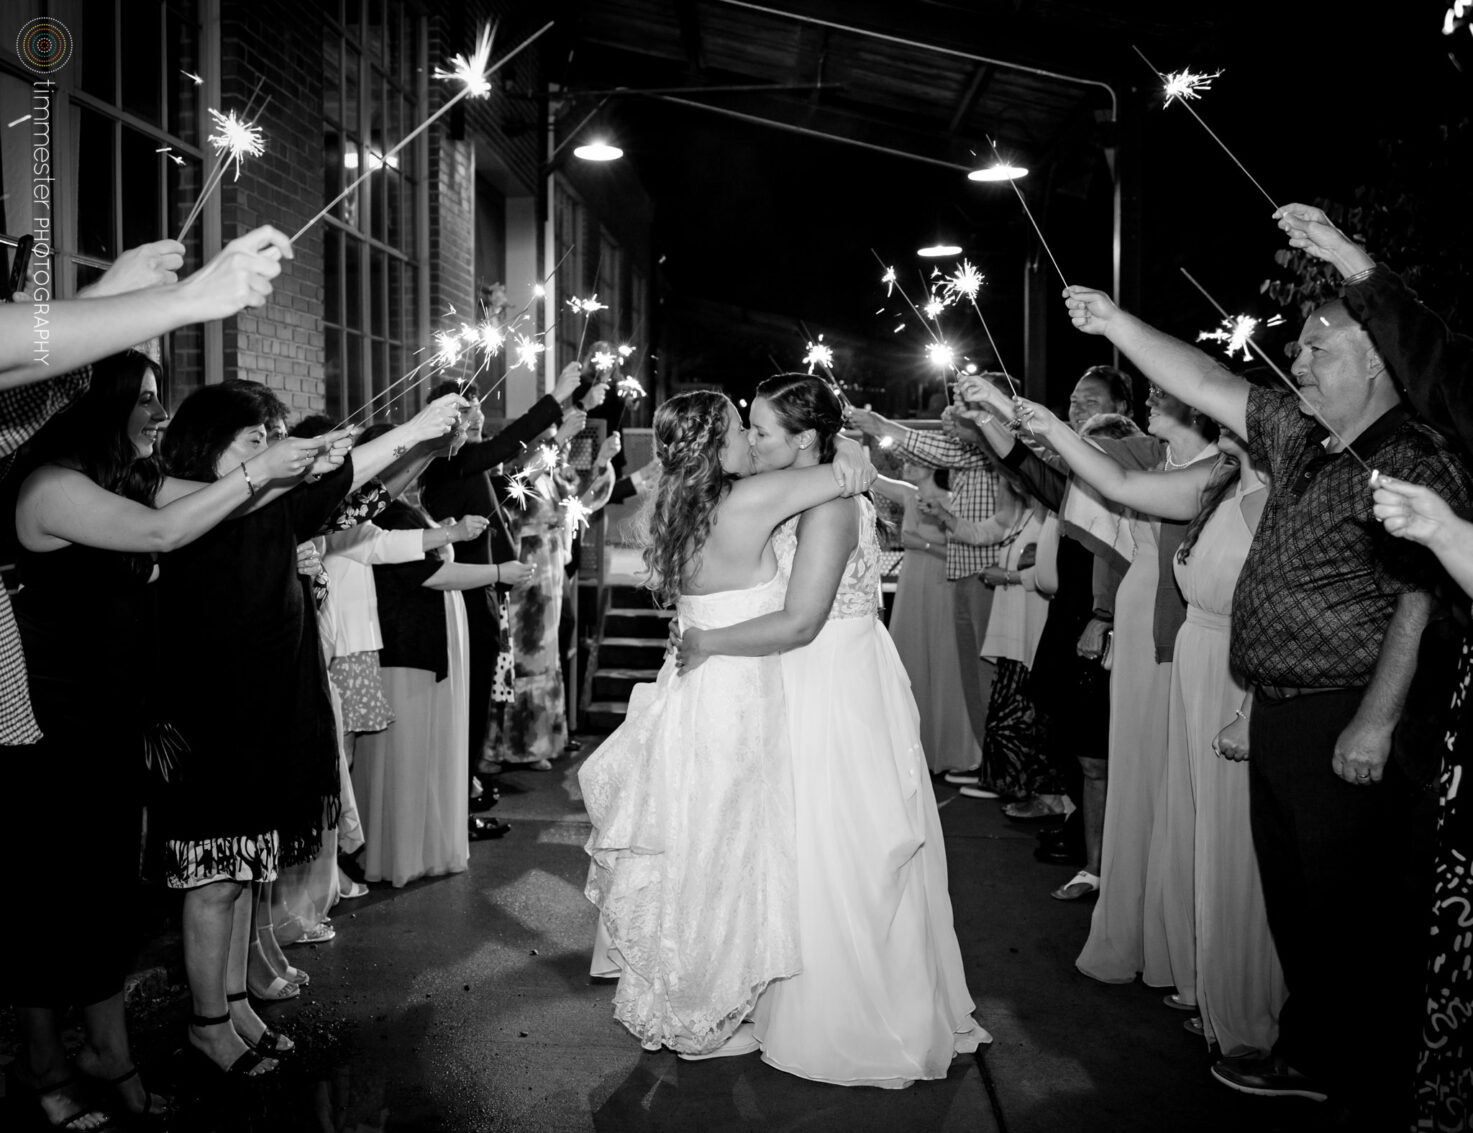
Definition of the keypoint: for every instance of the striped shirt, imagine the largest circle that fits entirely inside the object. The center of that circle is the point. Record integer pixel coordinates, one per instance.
(973, 492)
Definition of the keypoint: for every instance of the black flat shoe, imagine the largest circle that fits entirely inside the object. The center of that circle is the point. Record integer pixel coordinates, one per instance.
(482, 828)
(488, 798)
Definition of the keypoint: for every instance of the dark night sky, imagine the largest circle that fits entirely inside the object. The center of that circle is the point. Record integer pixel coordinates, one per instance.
(770, 221)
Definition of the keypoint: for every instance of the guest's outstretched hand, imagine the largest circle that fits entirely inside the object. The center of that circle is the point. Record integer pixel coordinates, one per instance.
(240, 276)
(1410, 511)
(147, 265)
(1037, 419)
(1090, 310)
(1310, 230)
(573, 422)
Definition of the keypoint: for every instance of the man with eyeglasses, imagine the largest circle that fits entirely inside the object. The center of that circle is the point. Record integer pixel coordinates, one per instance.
(1327, 618)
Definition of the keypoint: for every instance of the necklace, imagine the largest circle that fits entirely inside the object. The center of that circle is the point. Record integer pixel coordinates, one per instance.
(1171, 465)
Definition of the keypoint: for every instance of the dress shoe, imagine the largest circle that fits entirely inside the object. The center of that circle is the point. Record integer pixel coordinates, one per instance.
(963, 778)
(480, 829)
(977, 791)
(488, 798)
(1266, 1077)
(573, 745)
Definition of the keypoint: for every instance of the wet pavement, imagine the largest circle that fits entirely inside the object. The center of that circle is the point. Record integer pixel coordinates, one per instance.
(464, 1004)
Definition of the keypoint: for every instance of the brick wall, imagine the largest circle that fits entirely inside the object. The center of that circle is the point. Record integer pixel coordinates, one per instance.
(280, 344)
(452, 228)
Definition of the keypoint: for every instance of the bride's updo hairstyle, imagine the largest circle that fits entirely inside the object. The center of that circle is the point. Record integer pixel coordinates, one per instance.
(690, 434)
(801, 401)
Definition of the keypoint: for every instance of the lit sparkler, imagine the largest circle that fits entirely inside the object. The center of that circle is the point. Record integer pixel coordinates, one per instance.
(1187, 84)
(528, 348)
(448, 353)
(819, 354)
(576, 514)
(169, 151)
(888, 279)
(1283, 377)
(940, 354)
(518, 489)
(629, 389)
(586, 306)
(1235, 332)
(965, 283)
(603, 361)
(625, 351)
(234, 138)
(933, 308)
(475, 78)
(1183, 87)
(196, 79)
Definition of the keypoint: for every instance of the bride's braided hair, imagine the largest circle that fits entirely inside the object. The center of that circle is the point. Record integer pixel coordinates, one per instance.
(690, 432)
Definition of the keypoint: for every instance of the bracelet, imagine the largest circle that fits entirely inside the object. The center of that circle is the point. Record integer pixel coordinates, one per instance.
(498, 572)
(1359, 277)
(250, 486)
(1240, 714)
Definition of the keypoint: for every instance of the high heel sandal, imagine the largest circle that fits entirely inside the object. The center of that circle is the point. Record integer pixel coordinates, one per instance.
(17, 1087)
(147, 1113)
(249, 1059)
(269, 1044)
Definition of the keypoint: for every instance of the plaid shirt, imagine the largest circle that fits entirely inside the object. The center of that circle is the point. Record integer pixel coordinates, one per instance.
(973, 493)
(23, 410)
(1322, 578)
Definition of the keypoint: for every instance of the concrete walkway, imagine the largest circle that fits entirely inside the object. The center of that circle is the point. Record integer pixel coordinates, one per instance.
(463, 1003)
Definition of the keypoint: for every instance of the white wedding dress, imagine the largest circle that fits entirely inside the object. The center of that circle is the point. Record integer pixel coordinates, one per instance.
(882, 999)
(692, 842)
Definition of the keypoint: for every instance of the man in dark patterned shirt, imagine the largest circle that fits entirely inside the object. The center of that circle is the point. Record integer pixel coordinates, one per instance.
(1327, 618)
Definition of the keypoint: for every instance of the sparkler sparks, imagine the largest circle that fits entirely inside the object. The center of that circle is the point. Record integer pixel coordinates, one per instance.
(933, 308)
(1235, 332)
(603, 361)
(1187, 84)
(472, 70)
(965, 283)
(490, 337)
(449, 348)
(629, 389)
(940, 354)
(888, 279)
(625, 351)
(819, 354)
(586, 306)
(527, 351)
(199, 82)
(576, 514)
(234, 139)
(518, 490)
(169, 150)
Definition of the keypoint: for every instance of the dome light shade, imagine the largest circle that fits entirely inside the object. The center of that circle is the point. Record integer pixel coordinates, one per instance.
(998, 172)
(939, 250)
(599, 151)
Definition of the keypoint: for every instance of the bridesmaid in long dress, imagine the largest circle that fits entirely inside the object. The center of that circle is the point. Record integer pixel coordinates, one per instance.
(921, 622)
(882, 999)
(1205, 886)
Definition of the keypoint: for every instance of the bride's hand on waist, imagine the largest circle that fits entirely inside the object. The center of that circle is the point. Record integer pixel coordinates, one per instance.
(688, 652)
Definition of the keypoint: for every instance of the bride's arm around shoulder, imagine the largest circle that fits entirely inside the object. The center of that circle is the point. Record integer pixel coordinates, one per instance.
(827, 535)
(774, 496)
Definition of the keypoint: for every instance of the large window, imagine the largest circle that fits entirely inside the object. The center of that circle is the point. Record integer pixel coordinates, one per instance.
(372, 60)
(122, 127)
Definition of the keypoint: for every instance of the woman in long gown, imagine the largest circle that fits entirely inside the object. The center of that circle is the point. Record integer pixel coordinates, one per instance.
(691, 798)
(920, 623)
(882, 999)
(1213, 923)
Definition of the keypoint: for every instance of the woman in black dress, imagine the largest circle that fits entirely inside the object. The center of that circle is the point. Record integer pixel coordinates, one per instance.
(73, 808)
(260, 780)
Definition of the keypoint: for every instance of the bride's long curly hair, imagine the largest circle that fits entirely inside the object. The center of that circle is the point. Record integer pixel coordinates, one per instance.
(690, 432)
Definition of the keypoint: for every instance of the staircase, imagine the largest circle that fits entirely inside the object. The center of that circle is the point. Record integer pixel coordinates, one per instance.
(635, 636)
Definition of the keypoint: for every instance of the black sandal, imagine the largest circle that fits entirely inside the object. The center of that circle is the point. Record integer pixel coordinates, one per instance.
(269, 1044)
(147, 1113)
(242, 1066)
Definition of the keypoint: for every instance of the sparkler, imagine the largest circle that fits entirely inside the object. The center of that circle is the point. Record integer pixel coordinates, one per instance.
(177, 159)
(625, 351)
(234, 138)
(940, 354)
(966, 283)
(576, 514)
(1022, 200)
(475, 79)
(198, 81)
(819, 354)
(1236, 332)
(603, 361)
(1185, 86)
(1283, 377)
(629, 389)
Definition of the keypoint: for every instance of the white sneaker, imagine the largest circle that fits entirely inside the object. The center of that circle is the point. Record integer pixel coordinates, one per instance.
(977, 791)
(743, 1041)
(963, 778)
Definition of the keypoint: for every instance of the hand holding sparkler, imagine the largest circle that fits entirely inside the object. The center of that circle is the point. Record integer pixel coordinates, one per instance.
(514, 573)
(1311, 231)
(1090, 310)
(147, 265)
(885, 432)
(567, 382)
(613, 445)
(1410, 511)
(239, 276)
(1039, 419)
(287, 459)
(333, 449)
(976, 392)
(574, 421)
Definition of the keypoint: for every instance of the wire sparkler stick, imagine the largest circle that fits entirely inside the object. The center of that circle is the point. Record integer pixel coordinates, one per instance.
(967, 282)
(1183, 86)
(224, 152)
(1022, 200)
(476, 82)
(1283, 377)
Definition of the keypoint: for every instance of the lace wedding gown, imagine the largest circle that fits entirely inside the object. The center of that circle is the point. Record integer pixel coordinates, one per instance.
(692, 842)
(882, 999)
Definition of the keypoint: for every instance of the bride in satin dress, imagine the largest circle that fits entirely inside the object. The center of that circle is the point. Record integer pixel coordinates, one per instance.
(691, 798)
(882, 999)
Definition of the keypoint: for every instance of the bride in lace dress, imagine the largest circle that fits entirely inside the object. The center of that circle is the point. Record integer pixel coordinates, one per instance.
(691, 798)
(882, 999)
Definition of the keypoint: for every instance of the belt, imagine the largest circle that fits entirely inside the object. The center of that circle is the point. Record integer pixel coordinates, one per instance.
(1282, 692)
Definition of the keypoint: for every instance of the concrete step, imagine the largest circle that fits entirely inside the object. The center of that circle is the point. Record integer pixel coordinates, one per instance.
(604, 715)
(631, 653)
(627, 621)
(614, 684)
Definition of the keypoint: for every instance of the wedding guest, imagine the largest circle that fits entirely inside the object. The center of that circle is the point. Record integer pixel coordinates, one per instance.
(1326, 621)
(89, 533)
(973, 487)
(458, 486)
(921, 621)
(234, 597)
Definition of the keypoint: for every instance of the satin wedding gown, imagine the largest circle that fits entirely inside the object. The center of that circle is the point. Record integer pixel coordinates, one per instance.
(692, 843)
(882, 999)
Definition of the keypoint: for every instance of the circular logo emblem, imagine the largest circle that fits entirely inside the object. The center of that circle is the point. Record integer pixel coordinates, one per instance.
(44, 45)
